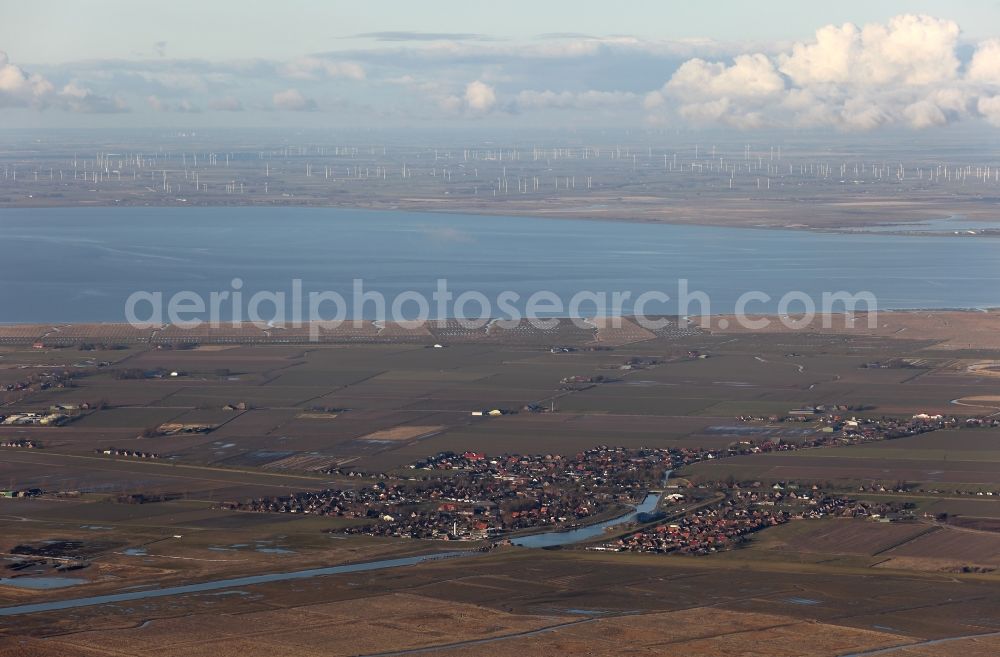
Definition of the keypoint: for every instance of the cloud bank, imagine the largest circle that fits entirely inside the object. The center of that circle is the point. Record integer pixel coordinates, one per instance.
(292, 100)
(913, 71)
(905, 72)
(20, 89)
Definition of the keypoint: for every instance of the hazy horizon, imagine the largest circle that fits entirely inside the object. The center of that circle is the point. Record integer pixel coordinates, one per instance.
(850, 68)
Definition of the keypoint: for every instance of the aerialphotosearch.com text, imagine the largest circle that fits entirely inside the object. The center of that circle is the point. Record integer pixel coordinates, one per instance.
(326, 309)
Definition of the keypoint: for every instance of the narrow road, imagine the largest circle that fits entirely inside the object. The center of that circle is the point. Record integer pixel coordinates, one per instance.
(479, 642)
(919, 644)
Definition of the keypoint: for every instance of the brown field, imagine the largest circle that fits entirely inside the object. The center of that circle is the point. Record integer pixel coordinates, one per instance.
(620, 331)
(955, 545)
(843, 536)
(652, 604)
(942, 459)
(948, 330)
(414, 622)
(390, 622)
(404, 388)
(385, 399)
(687, 633)
(402, 433)
(806, 467)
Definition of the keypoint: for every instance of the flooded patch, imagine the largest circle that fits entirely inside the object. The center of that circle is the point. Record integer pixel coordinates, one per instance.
(217, 585)
(264, 547)
(41, 583)
(584, 612)
(955, 225)
(231, 593)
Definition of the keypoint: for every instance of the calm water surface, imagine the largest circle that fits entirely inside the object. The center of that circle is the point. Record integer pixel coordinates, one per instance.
(80, 264)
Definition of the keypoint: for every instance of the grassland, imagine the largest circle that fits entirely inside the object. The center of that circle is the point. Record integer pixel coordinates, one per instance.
(282, 413)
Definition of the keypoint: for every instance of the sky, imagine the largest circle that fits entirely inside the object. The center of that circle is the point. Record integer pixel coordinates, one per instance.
(849, 66)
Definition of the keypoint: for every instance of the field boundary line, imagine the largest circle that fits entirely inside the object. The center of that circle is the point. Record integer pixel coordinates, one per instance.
(926, 532)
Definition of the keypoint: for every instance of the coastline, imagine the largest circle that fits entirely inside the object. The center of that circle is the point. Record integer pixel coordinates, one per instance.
(948, 328)
(625, 214)
(265, 326)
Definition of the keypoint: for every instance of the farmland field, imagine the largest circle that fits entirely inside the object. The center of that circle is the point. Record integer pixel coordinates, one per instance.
(276, 419)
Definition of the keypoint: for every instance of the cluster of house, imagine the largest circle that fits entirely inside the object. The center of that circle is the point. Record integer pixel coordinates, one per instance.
(179, 428)
(979, 492)
(482, 497)
(115, 451)
(701, 532)
(492, 412)
(56, 414)
(599, 463)
(34, 419)
(886, 428)
(143, 498)
(389, 509)
(570, 382)
(41, 381)
(20, 443)
(744, 511)
(838, 427)
(471, 495)
(20, 493)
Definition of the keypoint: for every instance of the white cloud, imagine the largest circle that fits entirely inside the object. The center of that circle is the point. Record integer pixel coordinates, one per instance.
(480, 97)
(76, 98)
(910, 70)
(182, 80)
(311, 68)
(749, 76)
(985, 64)
(909, 50)
(989, 107)
(477, 99)
(450, 104)
(556, 47)
(293, 100)
(225, 104)
(157, 104)
(904, 72)
(924, 114)
(530, 99)
(19, 89)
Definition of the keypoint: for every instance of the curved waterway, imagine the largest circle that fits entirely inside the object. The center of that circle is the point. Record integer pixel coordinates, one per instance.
(541, 540)
(234, 582)
(556, 538)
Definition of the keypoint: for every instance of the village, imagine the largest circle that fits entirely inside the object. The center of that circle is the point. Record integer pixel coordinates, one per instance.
(473, 496)
(20, 443)
(747, 508)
